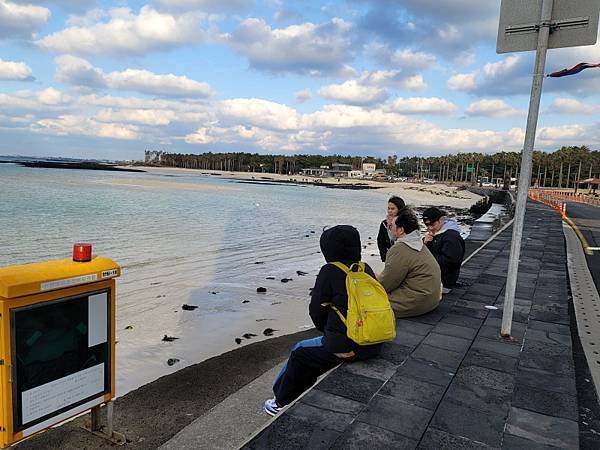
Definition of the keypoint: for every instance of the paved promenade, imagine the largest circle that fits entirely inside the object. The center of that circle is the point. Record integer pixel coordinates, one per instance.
(449, 381)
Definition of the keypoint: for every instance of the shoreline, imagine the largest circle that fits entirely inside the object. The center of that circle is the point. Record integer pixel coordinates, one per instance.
(415, 194)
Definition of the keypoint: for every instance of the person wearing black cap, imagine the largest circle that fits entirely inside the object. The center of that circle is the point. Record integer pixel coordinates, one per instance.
(445, 243)
(313, 357)
(385, 237)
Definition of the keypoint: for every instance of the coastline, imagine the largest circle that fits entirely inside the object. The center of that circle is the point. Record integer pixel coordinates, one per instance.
(415, 194)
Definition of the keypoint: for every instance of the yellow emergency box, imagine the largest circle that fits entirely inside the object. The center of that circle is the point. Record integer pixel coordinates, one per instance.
(57, 343)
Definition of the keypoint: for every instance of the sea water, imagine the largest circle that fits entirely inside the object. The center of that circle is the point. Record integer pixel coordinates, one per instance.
(184, 238)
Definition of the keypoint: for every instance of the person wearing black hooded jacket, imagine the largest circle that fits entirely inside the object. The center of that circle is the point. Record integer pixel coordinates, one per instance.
(385, 236)
(311, 358)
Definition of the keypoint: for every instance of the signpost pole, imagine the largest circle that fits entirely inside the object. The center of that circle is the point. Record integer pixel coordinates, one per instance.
(525, 175)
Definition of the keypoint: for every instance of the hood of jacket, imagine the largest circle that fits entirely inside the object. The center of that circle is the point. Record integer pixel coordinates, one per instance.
(413, 240)
(341, 243)
(449, 224)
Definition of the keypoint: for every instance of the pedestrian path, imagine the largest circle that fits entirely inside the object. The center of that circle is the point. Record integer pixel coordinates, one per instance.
(449, 380)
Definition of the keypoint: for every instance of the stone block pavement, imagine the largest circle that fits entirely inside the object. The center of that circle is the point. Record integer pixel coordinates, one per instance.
(449, 381)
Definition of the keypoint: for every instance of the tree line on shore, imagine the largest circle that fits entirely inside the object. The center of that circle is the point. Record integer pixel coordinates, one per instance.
(561, 168)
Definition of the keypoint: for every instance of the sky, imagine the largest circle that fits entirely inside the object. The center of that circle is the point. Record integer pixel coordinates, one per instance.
(109, 79)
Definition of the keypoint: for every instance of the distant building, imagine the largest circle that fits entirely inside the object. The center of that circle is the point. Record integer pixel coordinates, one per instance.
(368, 168)
(315, 172)
(337, 170)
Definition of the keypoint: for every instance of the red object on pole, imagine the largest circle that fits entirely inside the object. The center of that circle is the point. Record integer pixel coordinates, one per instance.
(82, 252)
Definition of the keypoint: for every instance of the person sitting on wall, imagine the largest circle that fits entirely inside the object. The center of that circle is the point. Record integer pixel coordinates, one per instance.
(446, 244)
(411, 275)
(313, 357)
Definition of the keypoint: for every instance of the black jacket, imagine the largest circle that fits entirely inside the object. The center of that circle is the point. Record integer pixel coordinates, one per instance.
(383, 240)
(448, 248)
(340, 243)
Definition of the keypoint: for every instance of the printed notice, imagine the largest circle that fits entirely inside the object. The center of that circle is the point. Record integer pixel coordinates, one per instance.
(97, 319)
(65, 282)
(58, 394)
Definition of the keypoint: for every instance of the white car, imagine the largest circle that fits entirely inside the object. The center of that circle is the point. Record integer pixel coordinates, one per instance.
(429, 180)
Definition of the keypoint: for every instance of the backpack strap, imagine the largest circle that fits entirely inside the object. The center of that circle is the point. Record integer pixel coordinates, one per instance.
(337, 311)
(346, 269)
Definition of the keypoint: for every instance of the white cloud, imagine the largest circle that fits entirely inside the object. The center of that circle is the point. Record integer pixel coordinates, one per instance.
(353, 93)
(462, 82)
(408, 59)
(151, 117)
(79, 72)
(150, 83)
(127, 33)
(491, 108)
(303, 95)
(307, 48)
(261, 125)
(21, 20)
(258, 112)
(572, 106)
(422, 105)
(68, 125)
(11, 70)
(393, 79)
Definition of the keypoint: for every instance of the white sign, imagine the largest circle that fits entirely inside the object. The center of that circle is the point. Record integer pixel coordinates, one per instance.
(65, 282)
(573, 23)
(97, 319)
(61, 393)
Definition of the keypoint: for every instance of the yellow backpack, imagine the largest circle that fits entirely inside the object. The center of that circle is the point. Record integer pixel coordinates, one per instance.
(370, 318)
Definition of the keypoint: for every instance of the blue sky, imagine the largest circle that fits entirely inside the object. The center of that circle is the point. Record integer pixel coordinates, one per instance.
(108, 79)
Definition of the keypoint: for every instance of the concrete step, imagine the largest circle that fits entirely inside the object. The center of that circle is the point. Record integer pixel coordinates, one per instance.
(230, 423)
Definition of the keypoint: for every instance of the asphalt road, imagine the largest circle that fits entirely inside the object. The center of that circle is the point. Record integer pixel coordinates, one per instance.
(587, 219)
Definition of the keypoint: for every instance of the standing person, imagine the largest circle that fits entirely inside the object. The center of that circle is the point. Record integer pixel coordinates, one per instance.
(313, 357)
(446, 244)
(385, 237)
(411, 275)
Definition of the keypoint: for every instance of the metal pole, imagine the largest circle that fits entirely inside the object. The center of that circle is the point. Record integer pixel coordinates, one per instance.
(525, 175)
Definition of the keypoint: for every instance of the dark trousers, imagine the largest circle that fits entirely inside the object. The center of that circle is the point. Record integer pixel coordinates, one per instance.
(303, 368)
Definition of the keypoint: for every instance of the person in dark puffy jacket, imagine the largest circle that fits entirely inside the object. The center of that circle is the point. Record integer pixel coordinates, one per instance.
(446, 244)
(385, 237)
(313, 357)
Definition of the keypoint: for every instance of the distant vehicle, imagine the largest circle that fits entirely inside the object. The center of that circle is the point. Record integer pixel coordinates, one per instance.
(401, 179)
(429, 180)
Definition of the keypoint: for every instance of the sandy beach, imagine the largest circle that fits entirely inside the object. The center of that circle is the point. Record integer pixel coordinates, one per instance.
(416, 194)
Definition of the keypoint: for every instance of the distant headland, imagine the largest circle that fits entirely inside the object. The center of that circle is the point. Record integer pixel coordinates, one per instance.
(80, 165)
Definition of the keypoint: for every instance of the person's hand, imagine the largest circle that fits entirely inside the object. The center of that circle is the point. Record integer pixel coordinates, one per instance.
(428, 238)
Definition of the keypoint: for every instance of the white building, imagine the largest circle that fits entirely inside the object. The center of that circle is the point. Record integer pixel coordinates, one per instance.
(368, 168)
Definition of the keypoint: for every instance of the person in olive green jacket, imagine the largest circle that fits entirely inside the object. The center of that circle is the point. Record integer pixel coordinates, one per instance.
(411, 275)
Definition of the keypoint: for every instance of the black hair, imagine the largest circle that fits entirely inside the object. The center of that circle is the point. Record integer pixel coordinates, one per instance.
(407, 219)
(397, 201)
(432, 214)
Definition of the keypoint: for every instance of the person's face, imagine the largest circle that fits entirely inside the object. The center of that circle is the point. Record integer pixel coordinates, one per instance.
(434, 226)
(398, 231)
(392, 209)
